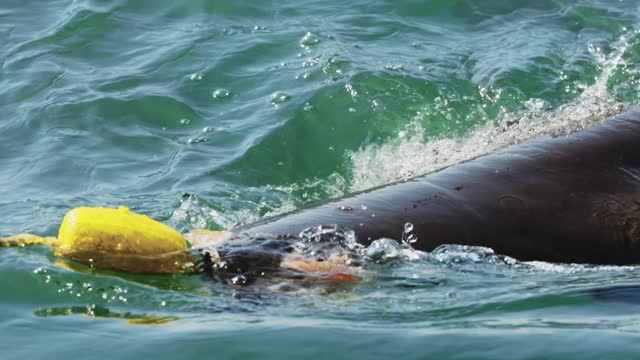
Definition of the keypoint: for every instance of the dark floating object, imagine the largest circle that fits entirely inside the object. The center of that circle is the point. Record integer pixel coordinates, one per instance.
(574, 198)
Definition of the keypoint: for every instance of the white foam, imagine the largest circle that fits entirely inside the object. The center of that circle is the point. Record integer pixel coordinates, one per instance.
(411, 156)
(577, 268)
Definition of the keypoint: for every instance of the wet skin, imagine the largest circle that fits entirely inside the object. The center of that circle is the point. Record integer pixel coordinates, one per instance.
(573, 198)
(240, 260)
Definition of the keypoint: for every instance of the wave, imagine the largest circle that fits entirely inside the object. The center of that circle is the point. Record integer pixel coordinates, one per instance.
(411, 155)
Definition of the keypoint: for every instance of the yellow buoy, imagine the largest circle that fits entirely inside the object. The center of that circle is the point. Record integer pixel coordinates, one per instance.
(119, 239)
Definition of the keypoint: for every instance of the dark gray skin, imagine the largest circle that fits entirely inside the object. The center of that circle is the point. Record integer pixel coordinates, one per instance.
(573, 198)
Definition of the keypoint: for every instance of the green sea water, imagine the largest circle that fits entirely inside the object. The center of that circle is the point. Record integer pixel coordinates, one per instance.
(216, 114)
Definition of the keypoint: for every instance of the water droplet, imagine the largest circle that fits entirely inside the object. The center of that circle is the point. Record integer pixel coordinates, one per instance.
(239, 280)
(277, 98)
(351, 90)
(408, 227)
(307, 107)
(408, 237)
(197, 140)
(395, 67)
(330, 234)
(309, 39)
(221, 93)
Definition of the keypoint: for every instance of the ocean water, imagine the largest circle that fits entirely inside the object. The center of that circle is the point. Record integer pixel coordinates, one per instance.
(216, 114)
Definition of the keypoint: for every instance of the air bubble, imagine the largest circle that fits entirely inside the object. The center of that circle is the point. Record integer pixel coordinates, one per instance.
(309, 39)
(221, 93)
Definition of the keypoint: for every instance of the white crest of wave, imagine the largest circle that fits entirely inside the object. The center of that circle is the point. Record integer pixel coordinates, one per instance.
(411, 156)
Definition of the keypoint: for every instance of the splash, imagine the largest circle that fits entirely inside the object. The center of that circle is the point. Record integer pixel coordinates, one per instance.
(195, 213)
(264, 202)
(411, 156)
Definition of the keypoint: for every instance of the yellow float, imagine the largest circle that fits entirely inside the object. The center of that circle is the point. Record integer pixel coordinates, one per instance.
(115, 239)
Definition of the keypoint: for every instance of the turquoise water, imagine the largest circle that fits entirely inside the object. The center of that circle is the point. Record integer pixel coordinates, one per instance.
(220, 113)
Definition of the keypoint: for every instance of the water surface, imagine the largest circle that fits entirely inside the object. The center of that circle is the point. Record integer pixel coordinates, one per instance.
(219, 113)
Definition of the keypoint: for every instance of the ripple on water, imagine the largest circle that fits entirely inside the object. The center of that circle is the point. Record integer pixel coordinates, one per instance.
(115, 104)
